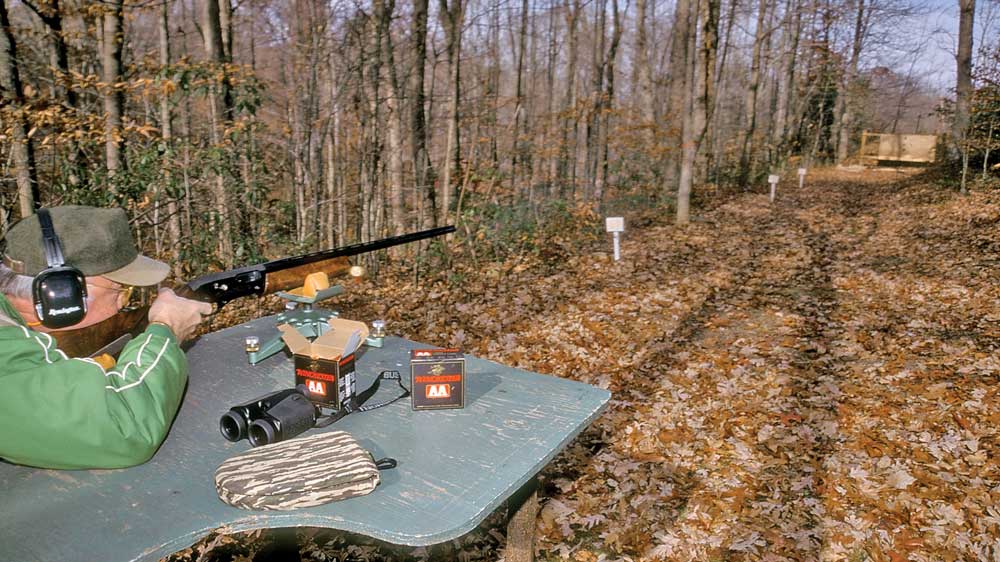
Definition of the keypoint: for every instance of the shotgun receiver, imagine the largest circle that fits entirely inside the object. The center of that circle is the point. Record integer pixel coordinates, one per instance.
(225, 286)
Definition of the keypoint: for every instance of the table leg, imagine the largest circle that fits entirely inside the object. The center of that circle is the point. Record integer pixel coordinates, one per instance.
(523, 506)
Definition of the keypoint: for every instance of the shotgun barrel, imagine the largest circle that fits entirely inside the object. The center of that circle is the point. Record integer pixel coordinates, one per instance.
(261, 279)
(225, 286)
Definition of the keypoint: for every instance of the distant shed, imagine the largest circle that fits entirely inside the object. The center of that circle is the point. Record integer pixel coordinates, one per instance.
(877, 147)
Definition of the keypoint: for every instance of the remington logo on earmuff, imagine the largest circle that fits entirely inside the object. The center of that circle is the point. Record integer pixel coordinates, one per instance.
(62, 311)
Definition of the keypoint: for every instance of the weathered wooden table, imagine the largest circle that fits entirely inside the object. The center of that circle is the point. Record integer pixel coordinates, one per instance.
(455, 466)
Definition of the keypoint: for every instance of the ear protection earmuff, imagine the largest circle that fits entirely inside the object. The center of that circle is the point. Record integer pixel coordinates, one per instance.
(59, 291)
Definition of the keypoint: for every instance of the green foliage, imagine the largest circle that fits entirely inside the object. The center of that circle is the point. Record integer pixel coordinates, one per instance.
(499, 229)
(814, 134)
(643, 208)
(984, 126)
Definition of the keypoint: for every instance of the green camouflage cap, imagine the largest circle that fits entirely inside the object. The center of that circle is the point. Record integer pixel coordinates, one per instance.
(95, 241)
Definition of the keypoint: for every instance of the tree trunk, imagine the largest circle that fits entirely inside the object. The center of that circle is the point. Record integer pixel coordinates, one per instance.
(750, 100)
(786, 78)
(336, 223)
(212, 35)
(518, 153)
(58, 55)
(642, 74)
(491, 87)
(963, 83)
(113, 96)
(370, 81)
(571, 123)
(703, 92)
(424, 188)
(607, 102)
(845, 103)
(678, 85)
(592, 132)
(552, 174)
(12, 94)
(226, 29)
(715, 138)
(167, 131)
(226, 36)
(397, 210)
(452, 18)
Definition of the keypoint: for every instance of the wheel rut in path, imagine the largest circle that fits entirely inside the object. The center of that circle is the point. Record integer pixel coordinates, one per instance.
(748, 382)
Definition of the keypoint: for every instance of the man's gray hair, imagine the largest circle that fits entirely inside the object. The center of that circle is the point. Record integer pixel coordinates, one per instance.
(14, 284)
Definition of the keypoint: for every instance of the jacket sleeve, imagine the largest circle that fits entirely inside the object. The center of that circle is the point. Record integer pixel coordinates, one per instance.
(57, 412)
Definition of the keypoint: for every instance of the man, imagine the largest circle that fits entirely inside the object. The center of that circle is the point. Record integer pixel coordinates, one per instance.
(58, 412)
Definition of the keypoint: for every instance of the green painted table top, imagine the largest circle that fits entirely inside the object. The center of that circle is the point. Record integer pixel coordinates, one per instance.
(455, 466)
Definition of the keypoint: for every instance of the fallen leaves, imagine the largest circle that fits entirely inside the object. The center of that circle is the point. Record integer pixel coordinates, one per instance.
(810, 380)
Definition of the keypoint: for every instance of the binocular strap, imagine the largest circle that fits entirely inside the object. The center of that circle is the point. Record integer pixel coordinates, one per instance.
(358, 403)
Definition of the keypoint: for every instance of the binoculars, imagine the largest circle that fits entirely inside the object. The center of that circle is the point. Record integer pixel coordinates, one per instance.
(270, 419)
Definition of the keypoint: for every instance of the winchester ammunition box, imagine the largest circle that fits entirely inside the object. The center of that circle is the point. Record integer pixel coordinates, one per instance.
(437, 379)
(324, 367)
(328, 382)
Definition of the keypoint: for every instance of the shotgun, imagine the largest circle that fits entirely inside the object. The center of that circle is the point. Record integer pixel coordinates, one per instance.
(225, 286)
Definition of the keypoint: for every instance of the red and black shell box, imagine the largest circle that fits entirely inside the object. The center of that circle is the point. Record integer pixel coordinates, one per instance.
(437, 379)
(329, 381)
(325, 366)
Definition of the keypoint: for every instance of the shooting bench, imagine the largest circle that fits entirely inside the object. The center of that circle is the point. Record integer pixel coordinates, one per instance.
(455, 466)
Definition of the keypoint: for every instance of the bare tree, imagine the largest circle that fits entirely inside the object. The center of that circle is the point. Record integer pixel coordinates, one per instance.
(114, 99)
(394, 101)
(761, 35)
(786, 76)
(963, 82)
(423, 190)
(845, 103)
(642, 71)
(606, 103)
(570, 129)
(12, 94)
(50, 14)
(212, 35)
(452, 18)
(678, 84)
(167, 132)
(701, 93)
(519, 153)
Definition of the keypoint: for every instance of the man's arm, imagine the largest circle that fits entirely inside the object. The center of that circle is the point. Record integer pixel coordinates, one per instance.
(71, 413)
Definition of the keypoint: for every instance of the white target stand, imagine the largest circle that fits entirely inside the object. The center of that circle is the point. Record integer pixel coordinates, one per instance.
(616, 225)
(802, 177)
(773, 180)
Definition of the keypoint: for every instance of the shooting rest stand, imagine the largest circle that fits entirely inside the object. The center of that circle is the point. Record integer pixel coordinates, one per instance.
(308, 321)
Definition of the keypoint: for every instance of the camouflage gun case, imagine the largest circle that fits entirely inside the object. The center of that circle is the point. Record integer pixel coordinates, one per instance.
(301, 472)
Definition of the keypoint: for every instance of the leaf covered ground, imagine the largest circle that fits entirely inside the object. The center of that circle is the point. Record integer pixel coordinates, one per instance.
(809, 379)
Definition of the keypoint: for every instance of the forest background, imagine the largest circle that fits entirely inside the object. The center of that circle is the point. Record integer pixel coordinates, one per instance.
(237, 131)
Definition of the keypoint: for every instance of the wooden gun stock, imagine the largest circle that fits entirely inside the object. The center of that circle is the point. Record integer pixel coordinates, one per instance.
(82, 342)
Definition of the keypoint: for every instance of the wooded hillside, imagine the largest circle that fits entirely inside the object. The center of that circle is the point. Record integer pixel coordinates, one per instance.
(234, 130)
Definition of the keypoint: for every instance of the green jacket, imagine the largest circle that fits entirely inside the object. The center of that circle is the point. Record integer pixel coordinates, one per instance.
(57, 412)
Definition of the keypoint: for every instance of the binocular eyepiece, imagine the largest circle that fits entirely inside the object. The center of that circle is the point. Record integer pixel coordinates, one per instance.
(269, 419)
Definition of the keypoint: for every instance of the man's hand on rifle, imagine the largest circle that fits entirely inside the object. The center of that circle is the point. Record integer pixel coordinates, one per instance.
(179, 314)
